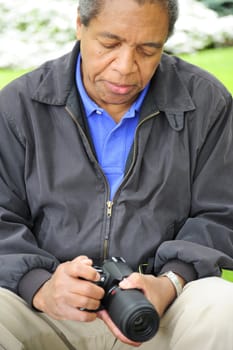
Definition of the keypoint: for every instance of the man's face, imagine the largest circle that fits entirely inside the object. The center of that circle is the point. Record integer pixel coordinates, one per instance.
(121, 50)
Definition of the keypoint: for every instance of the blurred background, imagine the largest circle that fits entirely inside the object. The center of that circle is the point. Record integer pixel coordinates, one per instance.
(32, 32)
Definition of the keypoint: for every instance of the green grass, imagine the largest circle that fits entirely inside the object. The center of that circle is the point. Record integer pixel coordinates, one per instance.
(7, 75)
(227, 275)
(216, 61)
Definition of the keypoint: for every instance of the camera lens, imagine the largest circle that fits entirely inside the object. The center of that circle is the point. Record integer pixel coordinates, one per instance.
(142, 324)
(133, 314)
(139, 323)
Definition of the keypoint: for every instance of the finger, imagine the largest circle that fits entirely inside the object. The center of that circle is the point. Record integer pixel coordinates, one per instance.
(66, 312)
(135, 280)
(88, 289)
(83, 259)
(84, 298)
(82, 268)
(85, 304)
(104, 316)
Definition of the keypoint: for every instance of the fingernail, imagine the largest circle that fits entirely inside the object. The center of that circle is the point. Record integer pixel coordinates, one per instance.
(97, 277)
(86, 261)
(124, 283)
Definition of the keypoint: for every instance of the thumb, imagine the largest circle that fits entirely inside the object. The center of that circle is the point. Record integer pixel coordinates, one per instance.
(126, 284)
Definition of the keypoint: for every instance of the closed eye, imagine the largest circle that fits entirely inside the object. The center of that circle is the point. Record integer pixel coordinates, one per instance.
(109, 43)
(147, 51)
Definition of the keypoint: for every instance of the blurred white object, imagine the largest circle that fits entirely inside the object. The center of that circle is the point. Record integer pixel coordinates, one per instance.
(199, 27)
(32, 32)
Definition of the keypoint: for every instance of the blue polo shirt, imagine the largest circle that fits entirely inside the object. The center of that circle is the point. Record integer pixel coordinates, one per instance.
(112, 141)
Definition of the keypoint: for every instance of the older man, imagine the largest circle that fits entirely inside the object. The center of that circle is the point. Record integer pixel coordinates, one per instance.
(116, 149)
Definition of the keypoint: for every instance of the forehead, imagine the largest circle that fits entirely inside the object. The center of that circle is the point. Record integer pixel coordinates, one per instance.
(127, 18)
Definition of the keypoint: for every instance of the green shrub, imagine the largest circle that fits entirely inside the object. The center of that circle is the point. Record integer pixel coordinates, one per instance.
(222, 7)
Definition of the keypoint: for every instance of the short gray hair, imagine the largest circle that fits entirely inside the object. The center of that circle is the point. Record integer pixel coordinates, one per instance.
(89, 9)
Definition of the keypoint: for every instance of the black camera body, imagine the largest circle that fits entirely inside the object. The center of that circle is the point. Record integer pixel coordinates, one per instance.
(129, 309)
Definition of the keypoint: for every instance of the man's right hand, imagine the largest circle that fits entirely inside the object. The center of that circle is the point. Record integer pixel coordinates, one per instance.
(70, 289)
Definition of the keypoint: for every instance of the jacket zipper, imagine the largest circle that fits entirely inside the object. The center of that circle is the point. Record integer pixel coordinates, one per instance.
(107, 229)
(109, 203)
(135, 149)
(109, 208)
(90, 150)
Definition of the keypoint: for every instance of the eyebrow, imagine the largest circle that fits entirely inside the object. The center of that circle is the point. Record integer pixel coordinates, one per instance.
(108, 35)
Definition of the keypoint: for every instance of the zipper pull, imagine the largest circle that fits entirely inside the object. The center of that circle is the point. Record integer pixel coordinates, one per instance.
(109, 208)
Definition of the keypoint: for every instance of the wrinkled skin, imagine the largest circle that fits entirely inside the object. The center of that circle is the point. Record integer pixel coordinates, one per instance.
(119, 57)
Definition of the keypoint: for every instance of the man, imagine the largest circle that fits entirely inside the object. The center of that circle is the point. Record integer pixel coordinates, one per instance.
(116, 150)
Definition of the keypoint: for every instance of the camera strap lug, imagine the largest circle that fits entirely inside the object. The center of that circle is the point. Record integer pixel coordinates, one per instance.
(147, 268)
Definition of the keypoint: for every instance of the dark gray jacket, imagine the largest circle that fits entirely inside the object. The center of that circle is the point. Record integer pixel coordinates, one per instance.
(175, 204)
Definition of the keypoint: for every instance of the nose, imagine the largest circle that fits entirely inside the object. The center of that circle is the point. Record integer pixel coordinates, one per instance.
(125, 62)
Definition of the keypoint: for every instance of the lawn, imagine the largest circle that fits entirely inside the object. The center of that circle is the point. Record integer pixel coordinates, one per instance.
(217, 61)
(6, 75)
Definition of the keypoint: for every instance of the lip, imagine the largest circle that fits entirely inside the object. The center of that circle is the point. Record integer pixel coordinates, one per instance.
(119, 89)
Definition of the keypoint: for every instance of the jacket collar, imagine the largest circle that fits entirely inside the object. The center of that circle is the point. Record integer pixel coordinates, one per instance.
(57, 79)
(167, 92)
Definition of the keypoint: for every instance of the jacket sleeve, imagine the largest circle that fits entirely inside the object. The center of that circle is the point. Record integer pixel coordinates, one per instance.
(20, 256)
(204, 244)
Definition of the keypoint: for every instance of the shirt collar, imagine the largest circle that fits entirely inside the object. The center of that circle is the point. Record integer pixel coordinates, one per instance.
(91, 107)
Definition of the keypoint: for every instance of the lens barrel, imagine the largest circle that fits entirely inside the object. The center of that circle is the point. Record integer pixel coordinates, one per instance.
(134, 315)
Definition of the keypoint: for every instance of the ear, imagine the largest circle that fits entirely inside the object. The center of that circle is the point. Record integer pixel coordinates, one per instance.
(78, 27)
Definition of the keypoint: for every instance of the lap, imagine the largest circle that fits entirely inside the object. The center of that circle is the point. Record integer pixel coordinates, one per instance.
(28, 329)
(200, 317)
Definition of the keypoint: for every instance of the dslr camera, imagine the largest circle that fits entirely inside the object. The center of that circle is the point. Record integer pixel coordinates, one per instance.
(129, 309)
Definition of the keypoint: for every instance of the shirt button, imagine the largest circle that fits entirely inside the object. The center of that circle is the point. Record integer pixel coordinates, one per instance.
(99, 112)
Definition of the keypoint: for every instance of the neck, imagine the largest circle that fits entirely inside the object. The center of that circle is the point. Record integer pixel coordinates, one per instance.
(116, 111)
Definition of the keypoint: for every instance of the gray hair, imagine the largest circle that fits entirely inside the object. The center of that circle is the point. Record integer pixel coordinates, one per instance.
(89, 9)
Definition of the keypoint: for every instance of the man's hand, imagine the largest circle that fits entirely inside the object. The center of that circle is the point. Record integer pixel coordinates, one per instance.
(70, 289)
(104, 316)
(158, 290)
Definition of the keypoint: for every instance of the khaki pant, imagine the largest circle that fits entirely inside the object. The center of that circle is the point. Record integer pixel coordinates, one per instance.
(201, 318)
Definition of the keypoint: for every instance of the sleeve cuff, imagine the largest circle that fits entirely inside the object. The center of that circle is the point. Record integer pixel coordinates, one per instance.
(31, 282)
(186, 271)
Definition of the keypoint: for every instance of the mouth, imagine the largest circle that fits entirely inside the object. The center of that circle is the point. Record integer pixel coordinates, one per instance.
(119, 89)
